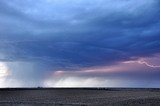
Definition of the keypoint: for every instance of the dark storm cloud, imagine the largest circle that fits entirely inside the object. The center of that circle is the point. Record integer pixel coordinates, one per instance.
(83, 36)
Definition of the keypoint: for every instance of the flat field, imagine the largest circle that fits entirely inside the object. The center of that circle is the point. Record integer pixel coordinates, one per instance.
(79, 97)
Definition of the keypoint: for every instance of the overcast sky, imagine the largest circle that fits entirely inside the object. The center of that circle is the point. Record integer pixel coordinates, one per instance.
(80, 43)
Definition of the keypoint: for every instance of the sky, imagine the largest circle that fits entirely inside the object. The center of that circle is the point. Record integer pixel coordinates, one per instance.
(80, 43)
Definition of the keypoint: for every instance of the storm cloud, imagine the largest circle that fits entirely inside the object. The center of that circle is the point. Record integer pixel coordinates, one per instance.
(72, 35)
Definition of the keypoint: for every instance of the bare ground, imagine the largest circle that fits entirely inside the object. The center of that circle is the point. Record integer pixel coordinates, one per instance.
(79, 97)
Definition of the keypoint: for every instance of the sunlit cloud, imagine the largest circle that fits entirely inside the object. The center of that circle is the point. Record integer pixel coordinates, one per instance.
(4, 71)
(75, 81)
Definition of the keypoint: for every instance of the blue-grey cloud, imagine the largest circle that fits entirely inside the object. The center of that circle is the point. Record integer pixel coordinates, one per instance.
(76, 34)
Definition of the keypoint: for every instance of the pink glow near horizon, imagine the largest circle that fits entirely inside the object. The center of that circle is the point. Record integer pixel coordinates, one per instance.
(120, 67)
(102, 76)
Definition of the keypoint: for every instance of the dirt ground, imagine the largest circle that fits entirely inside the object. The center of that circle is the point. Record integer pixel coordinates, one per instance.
(79, 97)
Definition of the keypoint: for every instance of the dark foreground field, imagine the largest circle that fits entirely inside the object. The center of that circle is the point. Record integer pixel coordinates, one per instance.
(79, 97)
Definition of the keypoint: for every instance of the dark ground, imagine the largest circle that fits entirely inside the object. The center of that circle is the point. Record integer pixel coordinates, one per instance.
(79, 97)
